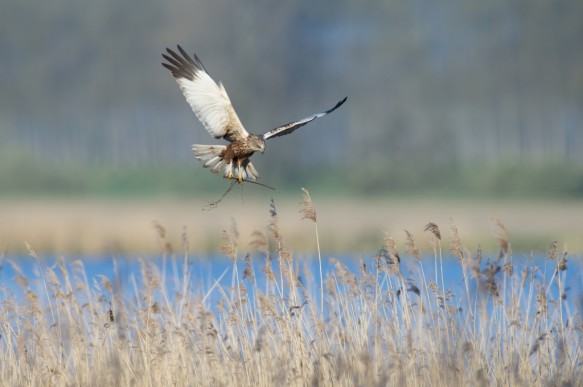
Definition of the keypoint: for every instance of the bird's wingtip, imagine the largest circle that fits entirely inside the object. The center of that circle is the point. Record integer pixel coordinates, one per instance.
(337, 105)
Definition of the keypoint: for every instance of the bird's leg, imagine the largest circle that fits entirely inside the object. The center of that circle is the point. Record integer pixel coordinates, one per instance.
(230, 170)
(240, 173)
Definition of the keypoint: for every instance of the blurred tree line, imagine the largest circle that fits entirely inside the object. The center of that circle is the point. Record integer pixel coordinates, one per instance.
(440, 93)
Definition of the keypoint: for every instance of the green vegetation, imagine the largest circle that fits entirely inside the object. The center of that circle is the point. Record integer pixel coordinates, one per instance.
(375, 326)
(30, 178)
(557, 180)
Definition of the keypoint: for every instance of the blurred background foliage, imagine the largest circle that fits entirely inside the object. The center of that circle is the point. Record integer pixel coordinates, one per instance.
(452, 97)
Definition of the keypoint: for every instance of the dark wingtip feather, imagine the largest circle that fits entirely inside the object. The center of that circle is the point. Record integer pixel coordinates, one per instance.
(185, 54)
(182, 65)
(337, 105)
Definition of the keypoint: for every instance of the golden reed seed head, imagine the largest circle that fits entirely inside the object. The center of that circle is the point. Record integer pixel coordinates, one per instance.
(553, 253)
(456, 243)
(31, 250)
(308, 210)
(432, 228)
(229, 247)
(159, 229)
(411, 246)
(165, 245)
(501, 235)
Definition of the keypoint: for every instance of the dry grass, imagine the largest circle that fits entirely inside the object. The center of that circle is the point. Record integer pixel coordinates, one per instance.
(95, 226)
(377, 326)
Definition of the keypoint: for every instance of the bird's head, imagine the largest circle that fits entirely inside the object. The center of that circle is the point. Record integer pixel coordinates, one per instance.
(257, 143)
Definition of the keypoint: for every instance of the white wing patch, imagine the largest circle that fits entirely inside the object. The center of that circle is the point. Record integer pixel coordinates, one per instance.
(208, 99)
(211, 104)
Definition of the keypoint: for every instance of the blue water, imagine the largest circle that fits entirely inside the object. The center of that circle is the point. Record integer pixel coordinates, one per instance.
(211, 277)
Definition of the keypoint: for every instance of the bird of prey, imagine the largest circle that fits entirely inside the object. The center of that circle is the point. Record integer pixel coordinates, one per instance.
(212, 106)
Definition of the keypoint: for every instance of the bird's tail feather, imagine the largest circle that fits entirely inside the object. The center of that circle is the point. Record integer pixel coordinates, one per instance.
(210, 155)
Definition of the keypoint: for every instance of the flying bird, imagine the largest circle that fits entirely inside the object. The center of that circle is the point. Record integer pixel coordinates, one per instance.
(212, 106)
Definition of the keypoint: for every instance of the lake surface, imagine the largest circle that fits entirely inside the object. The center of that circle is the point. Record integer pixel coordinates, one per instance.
(211, 277)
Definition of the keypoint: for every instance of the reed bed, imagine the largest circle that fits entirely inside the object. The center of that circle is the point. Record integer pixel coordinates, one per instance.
(382, 324)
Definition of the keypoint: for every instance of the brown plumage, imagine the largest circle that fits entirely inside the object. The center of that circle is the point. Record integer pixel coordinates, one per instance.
(212, 106)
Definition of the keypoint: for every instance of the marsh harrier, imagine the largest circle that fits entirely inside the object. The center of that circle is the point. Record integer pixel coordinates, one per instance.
(212, 106)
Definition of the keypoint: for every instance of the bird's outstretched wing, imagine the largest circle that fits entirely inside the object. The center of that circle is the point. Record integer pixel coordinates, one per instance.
(207, 98)
(288, 128)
